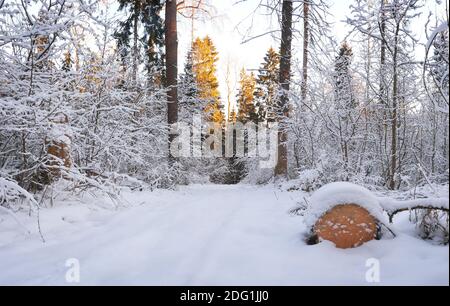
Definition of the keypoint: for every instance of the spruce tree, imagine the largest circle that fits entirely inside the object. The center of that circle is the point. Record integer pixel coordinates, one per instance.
(233, 116)
(189, 92)
(245, 98)
(343, 80)
(205, 59)
(67, 62)
(345, 108)
(146, 14)
(267, 87)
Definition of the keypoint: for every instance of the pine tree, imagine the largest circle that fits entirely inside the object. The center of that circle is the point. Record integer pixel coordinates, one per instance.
(245, 98)
(188, 90)
(205, 59)
(67, 63)
(267, 86)
(144, 13)
(233, 116)
(345, 107)
(343, 80)
(67, 71)
(153, 38)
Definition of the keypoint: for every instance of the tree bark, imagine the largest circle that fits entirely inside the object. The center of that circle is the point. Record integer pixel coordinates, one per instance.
(394, 119)
(383, 99)
(135, 41)
(383, 93)
(285, 79)
(304, 89)
(171, 42)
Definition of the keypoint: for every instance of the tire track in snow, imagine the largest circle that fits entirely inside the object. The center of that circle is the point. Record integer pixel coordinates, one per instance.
(190, 268)
(205, 253)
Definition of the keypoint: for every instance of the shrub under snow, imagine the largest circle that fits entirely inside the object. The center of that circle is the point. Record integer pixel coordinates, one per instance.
(11, 192)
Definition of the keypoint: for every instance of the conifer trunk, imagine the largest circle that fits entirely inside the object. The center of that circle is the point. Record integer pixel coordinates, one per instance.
(285, 78)
(135, 42)
(304, 89)
(171, 65)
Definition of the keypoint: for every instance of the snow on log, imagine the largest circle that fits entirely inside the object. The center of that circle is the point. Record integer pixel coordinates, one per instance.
(393, 207)
(349, 215)
(341, 193)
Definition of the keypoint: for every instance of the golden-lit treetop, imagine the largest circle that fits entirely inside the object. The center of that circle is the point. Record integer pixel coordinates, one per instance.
(205, 58)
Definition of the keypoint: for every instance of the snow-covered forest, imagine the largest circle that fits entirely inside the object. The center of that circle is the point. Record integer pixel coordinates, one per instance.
(130, 150)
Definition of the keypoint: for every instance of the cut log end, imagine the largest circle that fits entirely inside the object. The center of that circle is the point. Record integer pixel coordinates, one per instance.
(347, 226)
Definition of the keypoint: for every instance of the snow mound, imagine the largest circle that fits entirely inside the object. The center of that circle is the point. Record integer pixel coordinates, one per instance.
(340, 193)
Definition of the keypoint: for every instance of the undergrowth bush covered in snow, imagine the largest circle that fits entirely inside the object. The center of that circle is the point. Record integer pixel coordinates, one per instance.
(12, 195)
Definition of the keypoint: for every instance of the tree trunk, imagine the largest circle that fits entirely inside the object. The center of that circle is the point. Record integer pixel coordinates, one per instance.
(304, 89)
(383, 98)
(135, 41)
(369, 55)
(285, 78)
(171, 66)
(383, 92)
(394, 118)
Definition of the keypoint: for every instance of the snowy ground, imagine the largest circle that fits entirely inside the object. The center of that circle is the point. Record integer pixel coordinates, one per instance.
(204, 235)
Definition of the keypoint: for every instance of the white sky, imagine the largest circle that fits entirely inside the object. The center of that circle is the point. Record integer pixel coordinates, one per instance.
(227, 31)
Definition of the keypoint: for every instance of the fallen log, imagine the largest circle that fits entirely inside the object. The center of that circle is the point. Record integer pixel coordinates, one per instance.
(394, 207)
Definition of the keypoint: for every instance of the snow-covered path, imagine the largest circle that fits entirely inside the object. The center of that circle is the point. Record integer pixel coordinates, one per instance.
(204, 235)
